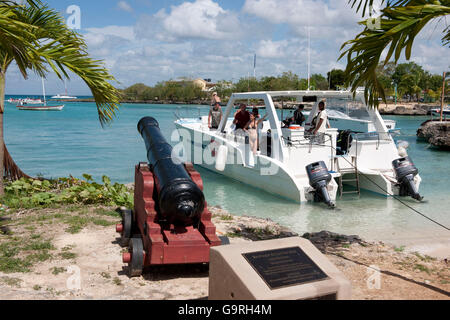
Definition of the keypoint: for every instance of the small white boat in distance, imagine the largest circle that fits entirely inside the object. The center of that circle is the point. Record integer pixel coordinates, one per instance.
(63, 97)
(295, 164)
(40, 108)
(44, 107)
(437, 111)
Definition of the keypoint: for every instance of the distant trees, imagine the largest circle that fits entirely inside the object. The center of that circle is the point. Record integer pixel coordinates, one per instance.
(336, 78)
(412, 81)
(183, 91)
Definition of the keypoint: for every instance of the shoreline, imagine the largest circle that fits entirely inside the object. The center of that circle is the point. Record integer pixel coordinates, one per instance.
(94, 249)
(399, 109)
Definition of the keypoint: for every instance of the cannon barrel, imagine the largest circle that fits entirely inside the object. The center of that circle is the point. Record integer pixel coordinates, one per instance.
(180, 200)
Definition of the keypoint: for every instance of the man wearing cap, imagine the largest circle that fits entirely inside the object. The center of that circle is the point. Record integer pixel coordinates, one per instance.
(215, 99)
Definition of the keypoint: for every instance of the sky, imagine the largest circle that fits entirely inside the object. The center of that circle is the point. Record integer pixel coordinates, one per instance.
(148, 41)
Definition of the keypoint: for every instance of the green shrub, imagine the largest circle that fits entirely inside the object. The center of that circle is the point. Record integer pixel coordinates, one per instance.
(29, 193)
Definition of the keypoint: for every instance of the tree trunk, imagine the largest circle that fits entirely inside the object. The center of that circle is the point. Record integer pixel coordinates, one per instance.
(2, 141)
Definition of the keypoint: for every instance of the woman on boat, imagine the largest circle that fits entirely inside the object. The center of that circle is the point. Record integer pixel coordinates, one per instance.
(252, 127)
(215, 116)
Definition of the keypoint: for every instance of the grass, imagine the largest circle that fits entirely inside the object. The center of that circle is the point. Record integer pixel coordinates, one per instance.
(19, 254)
(228, 217)
(105, 275)
(421, 267)
(12, 282)
(58, 270)
(399, 249)
(424, 258)
(234, 234)
(117, 281)
(68, 255)
(37, 287)
(107, 212)
(40, 245)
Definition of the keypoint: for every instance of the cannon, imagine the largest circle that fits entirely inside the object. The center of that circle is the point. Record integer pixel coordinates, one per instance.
(170, 223)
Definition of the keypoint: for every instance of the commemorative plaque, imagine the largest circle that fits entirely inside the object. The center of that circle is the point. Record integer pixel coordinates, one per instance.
(281, 269)
(284, 267)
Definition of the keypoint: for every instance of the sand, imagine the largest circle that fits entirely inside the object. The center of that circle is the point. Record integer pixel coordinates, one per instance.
(97, 259)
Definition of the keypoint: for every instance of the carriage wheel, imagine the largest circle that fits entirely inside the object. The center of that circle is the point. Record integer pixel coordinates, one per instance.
(127, 223)
(136, 264)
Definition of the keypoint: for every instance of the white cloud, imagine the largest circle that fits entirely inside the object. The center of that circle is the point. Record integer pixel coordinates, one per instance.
(202, 19)
(325, 19)
(272, 49)
(200, 38)
(123, 5)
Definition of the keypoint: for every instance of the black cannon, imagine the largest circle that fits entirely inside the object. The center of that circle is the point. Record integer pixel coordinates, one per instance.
(319, 178)
(180, 200)
(405, 171)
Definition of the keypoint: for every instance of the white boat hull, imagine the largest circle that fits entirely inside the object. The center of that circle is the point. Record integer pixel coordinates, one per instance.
(281, 169)
(41, 108)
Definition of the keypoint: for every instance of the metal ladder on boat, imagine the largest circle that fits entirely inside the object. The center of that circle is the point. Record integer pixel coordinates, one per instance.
(342, 172)
(353, 169)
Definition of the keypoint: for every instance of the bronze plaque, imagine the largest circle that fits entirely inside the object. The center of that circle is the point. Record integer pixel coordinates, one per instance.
(284, 267)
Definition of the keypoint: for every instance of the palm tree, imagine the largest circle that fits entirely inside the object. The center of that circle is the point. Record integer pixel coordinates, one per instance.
(37, 39)
(396, 28)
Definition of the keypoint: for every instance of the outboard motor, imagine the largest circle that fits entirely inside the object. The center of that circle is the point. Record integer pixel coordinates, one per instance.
(319, 178)
(405, 172)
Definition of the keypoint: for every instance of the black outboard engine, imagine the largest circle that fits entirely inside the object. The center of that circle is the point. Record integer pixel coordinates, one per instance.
(319, 178)
(181, 201)
(405, 172)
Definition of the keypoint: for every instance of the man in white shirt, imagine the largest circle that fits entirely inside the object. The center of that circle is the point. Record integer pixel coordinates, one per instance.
(321, 123)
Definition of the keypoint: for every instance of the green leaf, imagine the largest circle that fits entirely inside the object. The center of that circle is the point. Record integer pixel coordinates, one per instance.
(87, 177)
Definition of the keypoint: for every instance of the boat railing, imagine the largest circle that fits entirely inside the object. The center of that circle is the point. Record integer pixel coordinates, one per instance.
(186, 112)
(368, 136)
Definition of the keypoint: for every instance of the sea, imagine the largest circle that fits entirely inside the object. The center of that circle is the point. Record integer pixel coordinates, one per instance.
(72, 142)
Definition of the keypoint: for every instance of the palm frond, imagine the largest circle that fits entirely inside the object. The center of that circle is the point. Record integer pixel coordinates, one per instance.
(49, 45)
(397, 28)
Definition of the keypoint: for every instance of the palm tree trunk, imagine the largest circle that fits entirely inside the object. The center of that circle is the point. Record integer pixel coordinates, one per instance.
(2, 142)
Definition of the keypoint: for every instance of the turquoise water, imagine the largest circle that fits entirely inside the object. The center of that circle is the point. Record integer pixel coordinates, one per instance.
(72, 141)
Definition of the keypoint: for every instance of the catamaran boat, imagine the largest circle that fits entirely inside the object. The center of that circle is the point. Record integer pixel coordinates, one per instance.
(297, 165)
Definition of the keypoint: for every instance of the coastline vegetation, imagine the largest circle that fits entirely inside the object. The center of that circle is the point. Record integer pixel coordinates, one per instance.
(30, 193)
(413, 83)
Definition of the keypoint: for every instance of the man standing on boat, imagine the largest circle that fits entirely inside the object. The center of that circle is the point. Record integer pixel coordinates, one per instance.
(241, 117)
(321, 124)
(299, 118)
(215, 116)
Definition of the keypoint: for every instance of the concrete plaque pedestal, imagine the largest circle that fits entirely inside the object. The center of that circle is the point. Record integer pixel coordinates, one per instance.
(282, 269)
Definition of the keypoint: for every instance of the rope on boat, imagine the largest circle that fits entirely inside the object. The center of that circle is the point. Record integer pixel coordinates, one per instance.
(394, 196)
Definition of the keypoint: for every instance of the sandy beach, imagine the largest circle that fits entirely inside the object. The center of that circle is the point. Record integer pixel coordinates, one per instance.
(93, 252)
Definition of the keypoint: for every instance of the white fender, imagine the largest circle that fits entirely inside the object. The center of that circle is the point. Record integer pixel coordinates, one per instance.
(221, 158)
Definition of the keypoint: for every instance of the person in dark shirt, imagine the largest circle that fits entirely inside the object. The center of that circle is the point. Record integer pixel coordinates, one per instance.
(299, 118)
(241, 117)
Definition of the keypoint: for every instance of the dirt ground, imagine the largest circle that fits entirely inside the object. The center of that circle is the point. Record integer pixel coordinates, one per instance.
(82, 260)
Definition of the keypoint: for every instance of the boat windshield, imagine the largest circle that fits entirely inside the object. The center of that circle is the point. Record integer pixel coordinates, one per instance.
(348, 107)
